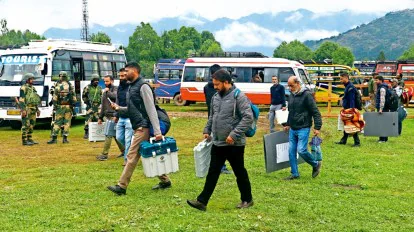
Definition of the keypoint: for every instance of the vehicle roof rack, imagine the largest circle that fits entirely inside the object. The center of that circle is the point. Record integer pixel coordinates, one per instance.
(230, 54)
(325, 61)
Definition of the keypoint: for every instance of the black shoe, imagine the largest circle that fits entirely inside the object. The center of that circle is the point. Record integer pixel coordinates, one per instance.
(27, 143)
(120, 155)
(162, 185)
(117, 190)
(356, 145)
(291, 177)
(86, 135)
(245, 204)
(196, 204)
(317, 170)
(340, 142)
(102, 157)
(31, 140)
(53, 140)
(65, 139)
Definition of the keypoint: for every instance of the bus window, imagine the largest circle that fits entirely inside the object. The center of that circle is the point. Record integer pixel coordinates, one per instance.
(285, 73)
(61, 65)
(105, 57)
(197, 74)
(119, 65)
(91, 67)
(90, 56)
(118, 58)
(175, 74)
(268, 73)
(242, 74)
(163, 74)
(303, 76)
(105, 68)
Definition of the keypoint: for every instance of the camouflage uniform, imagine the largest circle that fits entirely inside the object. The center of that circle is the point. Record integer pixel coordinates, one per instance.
(64, 99)
(91, 96)
(28, 102)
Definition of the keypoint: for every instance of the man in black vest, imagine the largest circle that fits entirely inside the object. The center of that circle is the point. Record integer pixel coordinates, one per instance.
(142, 113)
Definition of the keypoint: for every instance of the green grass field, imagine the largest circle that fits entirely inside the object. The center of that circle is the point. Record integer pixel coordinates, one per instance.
(63, 187)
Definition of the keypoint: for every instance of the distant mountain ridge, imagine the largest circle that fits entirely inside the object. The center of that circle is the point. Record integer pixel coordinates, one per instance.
(392, 34)
(272, 28)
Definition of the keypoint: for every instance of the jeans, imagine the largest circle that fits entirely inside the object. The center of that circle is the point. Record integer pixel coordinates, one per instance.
(298, 143)
(235, 156)
(272, 114)
(124, 134)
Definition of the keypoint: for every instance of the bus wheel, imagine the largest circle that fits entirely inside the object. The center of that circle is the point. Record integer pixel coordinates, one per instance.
(15, 125)
(178, 101)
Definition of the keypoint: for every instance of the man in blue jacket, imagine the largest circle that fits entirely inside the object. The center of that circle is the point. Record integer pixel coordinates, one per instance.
(348, 102)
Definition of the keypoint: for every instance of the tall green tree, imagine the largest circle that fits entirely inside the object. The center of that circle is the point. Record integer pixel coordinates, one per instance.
(381, 56)
(100, 37)
(343, 55)
(294, 50)
(325, 51)
(408, 54)
(210, 47)
(190, 38)
(15, 38)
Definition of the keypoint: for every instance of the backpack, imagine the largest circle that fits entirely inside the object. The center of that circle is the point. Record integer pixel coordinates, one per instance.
(391, 100)
(163, 118)
(358, 99)
(252, 130)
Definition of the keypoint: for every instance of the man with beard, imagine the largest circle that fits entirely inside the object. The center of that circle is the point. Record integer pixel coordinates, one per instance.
(142, 113)
(108, 96)
(230, 118)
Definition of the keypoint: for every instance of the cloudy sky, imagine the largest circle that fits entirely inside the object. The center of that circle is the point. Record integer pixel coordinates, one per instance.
(39, 15)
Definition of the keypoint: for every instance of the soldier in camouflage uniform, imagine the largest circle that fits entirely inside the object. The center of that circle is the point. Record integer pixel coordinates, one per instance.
(91, 96)
(28, 102)
(64, 100)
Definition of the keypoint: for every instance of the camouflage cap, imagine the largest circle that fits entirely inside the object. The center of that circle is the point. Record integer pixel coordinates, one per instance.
(63, 74)
(95, 77)
(28, 76)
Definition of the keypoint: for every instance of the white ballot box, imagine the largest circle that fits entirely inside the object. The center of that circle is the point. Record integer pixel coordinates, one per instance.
(96, 132)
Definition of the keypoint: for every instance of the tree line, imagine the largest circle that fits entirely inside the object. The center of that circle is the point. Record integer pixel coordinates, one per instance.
(147, 47)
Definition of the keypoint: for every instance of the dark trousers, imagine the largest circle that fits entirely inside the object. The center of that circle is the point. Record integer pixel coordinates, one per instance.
(235, 156)
(355, 136)
(385, 139)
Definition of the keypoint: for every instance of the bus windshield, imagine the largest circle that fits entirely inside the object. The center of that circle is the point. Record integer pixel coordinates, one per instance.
(14, 67)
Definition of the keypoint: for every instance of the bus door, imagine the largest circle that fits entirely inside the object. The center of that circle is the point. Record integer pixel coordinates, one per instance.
(78, 75)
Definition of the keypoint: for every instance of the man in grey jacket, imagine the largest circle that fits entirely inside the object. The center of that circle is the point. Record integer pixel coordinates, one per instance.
(230, 117)
(108, 114)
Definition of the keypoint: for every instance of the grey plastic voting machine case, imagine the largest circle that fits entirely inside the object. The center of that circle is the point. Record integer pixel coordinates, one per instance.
(381, 125)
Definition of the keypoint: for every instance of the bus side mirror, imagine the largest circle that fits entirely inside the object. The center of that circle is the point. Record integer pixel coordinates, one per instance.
(44, 69)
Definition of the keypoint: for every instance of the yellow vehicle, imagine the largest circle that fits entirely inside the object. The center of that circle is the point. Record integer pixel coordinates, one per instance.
(325, 74)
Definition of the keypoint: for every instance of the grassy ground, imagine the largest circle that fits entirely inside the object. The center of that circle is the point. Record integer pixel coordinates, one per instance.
(63, 188)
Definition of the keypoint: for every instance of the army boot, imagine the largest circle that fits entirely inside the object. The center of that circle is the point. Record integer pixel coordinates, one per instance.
(53, 140)
(31, 140)
(65, 139)
(27, 143)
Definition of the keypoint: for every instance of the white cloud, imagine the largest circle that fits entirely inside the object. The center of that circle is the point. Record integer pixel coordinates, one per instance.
(252, 35)
(295, 17)
(191, 21)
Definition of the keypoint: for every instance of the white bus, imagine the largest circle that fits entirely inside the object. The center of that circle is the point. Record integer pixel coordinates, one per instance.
(45, 59)
(196, 74)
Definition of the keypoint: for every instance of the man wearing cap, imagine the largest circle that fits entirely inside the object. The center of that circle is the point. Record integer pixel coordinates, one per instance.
(28, 102)
(91, 96)
(64, 99)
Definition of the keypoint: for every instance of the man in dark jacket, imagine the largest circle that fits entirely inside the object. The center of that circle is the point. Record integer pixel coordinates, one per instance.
(302, 108)
(142, 114)
(348, 102)
(230, 118)
(108, 114)
(277, 101)
(209, 92)
(381, 103)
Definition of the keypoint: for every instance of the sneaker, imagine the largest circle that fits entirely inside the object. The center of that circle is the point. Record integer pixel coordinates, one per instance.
(102, 157)
(245, 204)
(291, 177)
(117, 190)
(317, 170)
(196, 204)
(162, 185)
